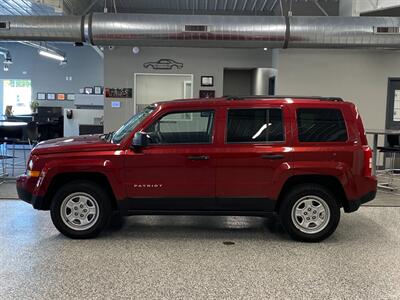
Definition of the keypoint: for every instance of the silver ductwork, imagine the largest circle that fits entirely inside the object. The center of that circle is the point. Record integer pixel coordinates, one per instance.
(344, 32)
(174, 30)
(206, 31)
(41, 28)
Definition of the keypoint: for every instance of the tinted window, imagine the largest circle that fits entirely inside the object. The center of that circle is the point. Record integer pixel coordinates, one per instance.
(255, 125)
(182, 128)
(321, 125)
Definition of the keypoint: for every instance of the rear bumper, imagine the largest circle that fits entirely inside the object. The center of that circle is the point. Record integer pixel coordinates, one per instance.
(24, 185)
(354, 205)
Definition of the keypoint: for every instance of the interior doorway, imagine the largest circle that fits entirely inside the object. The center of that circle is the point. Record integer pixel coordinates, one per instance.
(238, 82)
(253, 81)
(150, 88)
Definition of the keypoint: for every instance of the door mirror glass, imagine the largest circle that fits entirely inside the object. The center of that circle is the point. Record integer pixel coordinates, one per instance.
(140, 140)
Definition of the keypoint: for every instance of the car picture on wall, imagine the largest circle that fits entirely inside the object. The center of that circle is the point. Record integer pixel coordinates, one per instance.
(163, 64)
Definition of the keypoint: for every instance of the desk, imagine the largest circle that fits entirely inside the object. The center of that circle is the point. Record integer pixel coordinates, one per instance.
(376, 133)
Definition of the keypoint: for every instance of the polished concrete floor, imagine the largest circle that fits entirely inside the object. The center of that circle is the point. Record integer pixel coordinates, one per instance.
(182, 257)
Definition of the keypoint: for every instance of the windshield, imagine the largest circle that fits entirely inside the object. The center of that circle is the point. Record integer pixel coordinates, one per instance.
(125, 129)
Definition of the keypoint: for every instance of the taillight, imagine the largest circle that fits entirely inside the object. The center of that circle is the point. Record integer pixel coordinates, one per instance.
(367, 161)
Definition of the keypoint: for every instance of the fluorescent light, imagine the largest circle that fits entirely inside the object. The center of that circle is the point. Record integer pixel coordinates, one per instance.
(52, 55)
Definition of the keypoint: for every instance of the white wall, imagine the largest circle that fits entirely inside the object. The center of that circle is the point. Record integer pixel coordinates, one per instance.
(358, 76)
(120, 65)
(355, 7)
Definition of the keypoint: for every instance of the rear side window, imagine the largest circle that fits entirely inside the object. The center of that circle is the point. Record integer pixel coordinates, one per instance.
(321, 125)
(255, 125)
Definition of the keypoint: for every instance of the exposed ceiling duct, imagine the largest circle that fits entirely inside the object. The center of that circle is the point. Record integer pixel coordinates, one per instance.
(207, 31)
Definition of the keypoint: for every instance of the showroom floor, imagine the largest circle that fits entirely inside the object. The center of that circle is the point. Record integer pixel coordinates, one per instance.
(194, 258)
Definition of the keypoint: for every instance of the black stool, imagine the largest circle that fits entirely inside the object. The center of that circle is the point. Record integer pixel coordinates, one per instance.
(392, 149)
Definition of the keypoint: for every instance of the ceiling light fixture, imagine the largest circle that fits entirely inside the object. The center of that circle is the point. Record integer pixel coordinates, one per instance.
(52, 55)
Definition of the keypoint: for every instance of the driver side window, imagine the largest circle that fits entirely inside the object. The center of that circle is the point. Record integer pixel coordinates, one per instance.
(185, 127)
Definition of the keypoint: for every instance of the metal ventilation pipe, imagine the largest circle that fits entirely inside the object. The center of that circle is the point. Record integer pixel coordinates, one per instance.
(206, 31)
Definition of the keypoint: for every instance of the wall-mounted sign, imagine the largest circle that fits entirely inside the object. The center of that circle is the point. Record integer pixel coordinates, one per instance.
(118, 93)
(115, 104)
(207, 94)
(163, 64)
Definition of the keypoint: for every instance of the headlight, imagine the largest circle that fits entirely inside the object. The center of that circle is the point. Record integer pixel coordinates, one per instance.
(30, 171)
(30, 164)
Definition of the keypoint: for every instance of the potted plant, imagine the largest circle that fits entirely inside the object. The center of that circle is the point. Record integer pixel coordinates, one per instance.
(34, 106)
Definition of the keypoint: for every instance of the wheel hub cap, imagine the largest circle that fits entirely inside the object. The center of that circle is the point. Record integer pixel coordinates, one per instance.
(79, 211)
(310, 214)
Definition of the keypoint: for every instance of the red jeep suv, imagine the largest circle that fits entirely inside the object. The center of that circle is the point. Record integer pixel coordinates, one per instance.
(302, 158)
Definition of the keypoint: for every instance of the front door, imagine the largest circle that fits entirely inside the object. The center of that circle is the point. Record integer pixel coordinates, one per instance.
(253, 153)
(176, 170)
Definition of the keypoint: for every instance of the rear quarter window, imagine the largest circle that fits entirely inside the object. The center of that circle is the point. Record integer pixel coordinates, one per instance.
(321, 125)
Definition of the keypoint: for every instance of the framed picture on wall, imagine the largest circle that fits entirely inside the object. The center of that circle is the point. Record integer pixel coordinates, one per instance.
(98, 90)
(60, 96)
(207, 81)
(51, 96)
(41, 96)
(206, 94)
(88, 90)
(70, 97)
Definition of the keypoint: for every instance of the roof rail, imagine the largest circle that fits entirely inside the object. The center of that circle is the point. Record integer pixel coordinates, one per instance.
(320, 98)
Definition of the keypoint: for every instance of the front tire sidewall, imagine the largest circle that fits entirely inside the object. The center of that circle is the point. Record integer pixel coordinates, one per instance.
(86, 187)
(290, 200)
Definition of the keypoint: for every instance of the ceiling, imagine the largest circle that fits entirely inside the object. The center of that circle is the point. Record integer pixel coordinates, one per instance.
(232, 7)
(25, 7)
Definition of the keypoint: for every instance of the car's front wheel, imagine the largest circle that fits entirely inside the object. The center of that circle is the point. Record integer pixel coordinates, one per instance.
(309, 213)
(80, 209)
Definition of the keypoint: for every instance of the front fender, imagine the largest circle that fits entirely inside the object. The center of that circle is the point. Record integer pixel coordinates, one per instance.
(53, 168)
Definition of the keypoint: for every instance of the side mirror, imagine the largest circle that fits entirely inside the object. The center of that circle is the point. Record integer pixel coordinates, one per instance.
(140, 139)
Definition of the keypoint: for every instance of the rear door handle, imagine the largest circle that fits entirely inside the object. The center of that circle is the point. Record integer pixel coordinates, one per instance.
(199, 157)
(272, 156)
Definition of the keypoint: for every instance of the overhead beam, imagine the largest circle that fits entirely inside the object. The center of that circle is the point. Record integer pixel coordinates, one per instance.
(321, 8)
(90, 6)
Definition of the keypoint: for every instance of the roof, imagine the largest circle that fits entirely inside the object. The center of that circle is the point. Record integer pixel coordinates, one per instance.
(231, 100)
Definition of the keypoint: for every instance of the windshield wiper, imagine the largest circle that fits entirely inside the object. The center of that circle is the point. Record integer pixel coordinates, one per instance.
(107, 136)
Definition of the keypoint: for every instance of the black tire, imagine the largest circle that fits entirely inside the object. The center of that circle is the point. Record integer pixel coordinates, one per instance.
(293, 197)
(97, 195)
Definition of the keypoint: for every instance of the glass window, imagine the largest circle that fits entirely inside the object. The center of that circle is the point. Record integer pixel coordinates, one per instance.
(134, 121)
(17, 96)
(321, 125)
(188, 127)
(255, 125)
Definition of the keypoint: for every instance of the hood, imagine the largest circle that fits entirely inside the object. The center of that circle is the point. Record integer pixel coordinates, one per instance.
(85, 143)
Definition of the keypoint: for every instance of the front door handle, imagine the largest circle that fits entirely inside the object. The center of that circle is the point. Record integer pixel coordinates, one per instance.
(199, 157)
(272, 156)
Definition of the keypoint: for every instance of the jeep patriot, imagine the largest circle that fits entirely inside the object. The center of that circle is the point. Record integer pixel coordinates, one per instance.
(301, 158)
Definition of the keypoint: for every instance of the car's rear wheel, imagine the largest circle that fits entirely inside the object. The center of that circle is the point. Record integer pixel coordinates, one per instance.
(80, 209)
(309, 213)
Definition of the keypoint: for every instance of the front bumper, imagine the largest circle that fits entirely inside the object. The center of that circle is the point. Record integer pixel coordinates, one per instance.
(25, 188)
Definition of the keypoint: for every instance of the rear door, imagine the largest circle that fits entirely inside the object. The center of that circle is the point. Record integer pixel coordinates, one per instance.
(254, 152)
